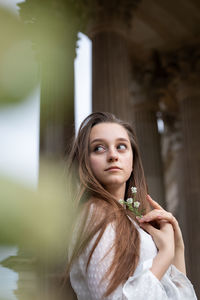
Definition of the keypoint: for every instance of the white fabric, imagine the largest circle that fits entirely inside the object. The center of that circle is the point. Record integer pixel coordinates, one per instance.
(143, 285)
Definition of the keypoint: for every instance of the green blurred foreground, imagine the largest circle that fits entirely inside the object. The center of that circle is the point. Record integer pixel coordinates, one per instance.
(18, 67)
(38, 222)
(40, 49)
(38, 46)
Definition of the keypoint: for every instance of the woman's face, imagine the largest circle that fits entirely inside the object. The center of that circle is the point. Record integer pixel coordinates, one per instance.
(111, 156)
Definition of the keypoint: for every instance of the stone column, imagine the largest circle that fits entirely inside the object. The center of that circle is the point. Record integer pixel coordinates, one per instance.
(173, 168)
(145, 122)
(175, 195)
(110, 73)
(182, 71)
(108, 29)
(171, 144)
(189, 100)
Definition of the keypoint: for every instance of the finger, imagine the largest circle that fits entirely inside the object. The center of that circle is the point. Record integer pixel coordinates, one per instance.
(167, 216)
(152, 215)
(159, 215)
(153, 203)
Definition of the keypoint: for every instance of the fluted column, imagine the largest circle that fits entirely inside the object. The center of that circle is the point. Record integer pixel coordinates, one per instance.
(108, 27)
(174, 171)
(110, 73)
(145, 123)
(182, 73)
(176, 202)
(171, 144)
(189, 100)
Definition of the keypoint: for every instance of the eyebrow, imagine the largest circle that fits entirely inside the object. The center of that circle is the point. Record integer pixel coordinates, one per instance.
(103, 140)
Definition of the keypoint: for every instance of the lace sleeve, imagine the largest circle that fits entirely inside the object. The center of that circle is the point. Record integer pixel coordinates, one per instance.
(177, 285)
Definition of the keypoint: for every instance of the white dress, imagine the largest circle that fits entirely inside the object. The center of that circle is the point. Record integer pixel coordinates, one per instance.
(142, 285)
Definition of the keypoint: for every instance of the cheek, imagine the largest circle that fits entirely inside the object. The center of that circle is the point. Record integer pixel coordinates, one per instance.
(95, 164)
(129, 163)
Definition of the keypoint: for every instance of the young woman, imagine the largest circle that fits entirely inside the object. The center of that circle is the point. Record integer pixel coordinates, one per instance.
(114, 254)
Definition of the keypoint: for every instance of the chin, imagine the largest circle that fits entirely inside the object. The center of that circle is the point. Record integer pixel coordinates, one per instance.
(113, 183)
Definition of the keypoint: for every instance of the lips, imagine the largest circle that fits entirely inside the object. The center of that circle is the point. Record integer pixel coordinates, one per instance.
(113, 168)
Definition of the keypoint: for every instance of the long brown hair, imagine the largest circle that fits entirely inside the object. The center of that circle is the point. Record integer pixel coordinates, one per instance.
(106, 208)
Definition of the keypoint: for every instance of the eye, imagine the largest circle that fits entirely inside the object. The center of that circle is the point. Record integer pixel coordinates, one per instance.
(99, 148)
(122, 147)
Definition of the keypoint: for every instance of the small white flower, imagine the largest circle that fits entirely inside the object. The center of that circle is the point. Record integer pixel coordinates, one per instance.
(136, 204)
(134, 190)
(129, 200)
(121, 201)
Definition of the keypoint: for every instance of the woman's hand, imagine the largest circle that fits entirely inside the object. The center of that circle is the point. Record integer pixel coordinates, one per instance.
(158, 214)
(164, 240)
(163, 237)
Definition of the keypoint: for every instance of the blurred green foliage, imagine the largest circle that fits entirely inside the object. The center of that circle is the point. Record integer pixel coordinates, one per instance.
(38, 221)
(18, 66)
(38, 47)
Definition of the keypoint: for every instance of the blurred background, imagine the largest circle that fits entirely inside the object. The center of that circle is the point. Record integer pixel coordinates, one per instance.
(61, 60)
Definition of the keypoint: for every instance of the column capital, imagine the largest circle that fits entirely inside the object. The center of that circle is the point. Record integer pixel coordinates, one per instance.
(112, 15)
(188, 88)
(143, 97)
(183, 71)
(151, 79)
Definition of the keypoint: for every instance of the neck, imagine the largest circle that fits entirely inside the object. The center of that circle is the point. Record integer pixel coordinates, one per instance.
(117, 191)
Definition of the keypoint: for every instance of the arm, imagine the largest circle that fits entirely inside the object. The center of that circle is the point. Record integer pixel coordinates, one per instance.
(159, 214)
(167, 239)
(164, 240)
(179, 260)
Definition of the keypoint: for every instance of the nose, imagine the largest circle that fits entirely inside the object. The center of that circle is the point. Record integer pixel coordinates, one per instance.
(112, 155)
